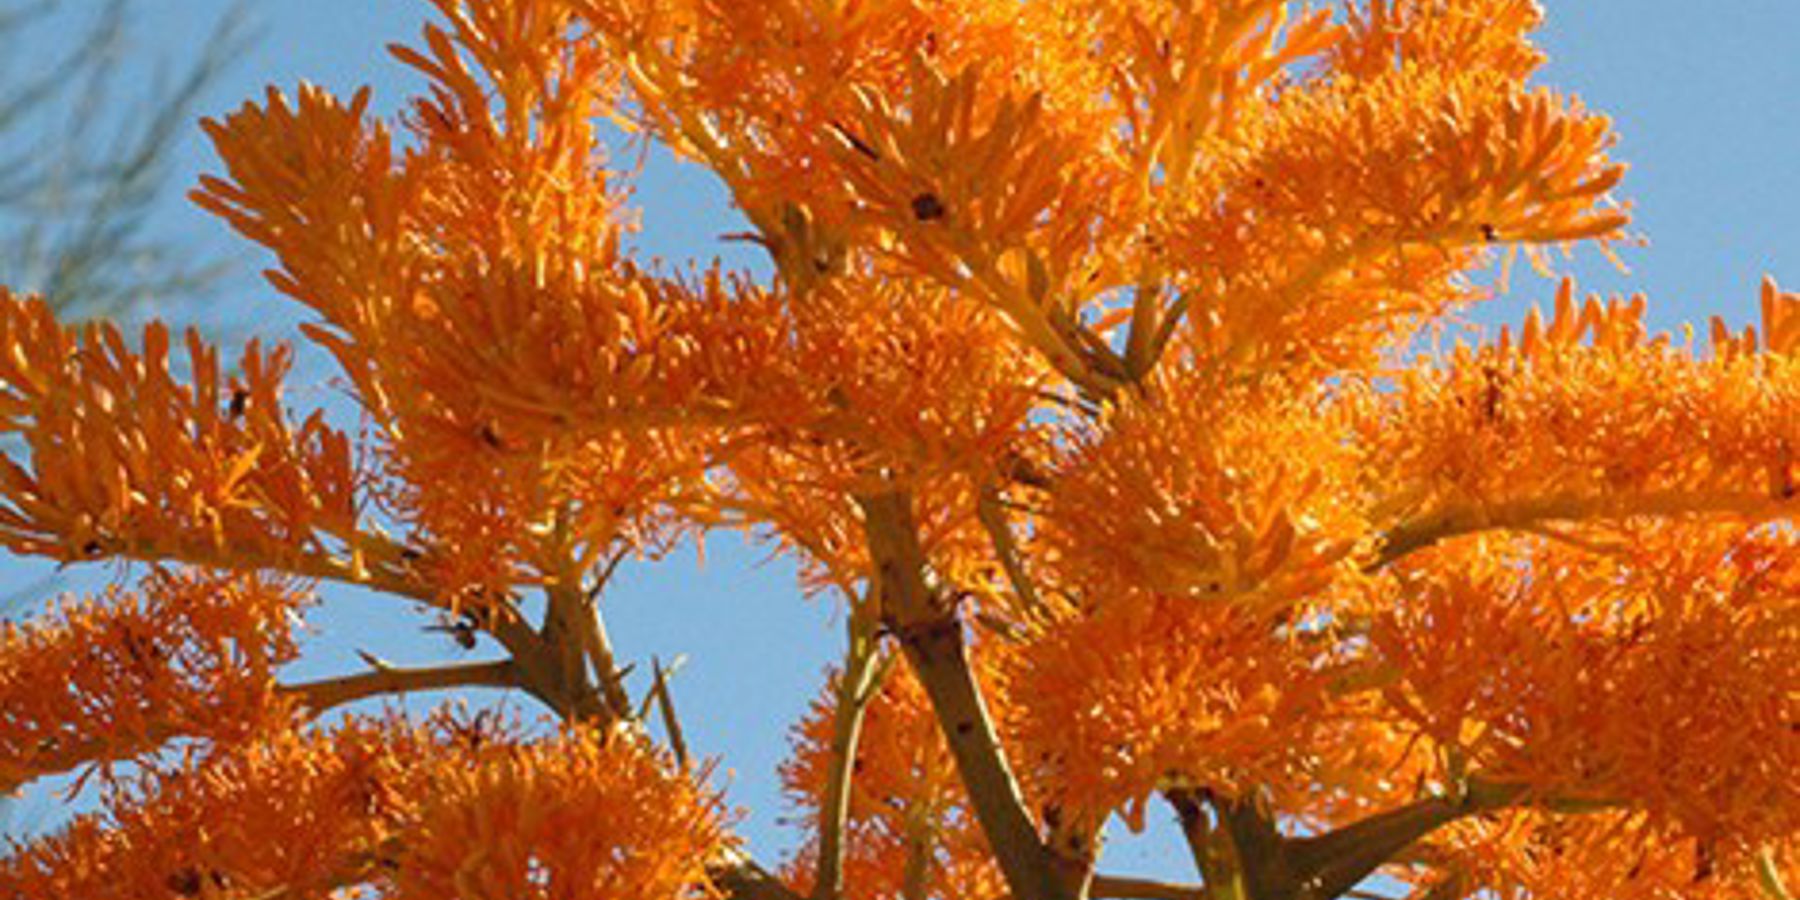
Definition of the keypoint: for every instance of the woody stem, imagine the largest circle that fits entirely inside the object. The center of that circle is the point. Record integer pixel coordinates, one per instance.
(931, 635)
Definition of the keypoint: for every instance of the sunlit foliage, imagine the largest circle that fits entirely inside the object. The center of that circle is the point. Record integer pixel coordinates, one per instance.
(1096, 378)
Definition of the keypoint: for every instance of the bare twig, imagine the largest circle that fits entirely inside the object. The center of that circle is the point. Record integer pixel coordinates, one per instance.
(666, 703)
(383, 678)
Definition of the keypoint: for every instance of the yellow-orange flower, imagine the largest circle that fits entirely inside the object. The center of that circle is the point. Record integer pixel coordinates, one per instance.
(409, 811)
(1663, 675)
(190, 654)
(1172, 692)
(127, 461)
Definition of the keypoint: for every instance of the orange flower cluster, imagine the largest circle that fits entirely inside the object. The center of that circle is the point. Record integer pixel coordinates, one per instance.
(1181, 76)
(1600, 856)
(1583, 416)
(127, 461)
(1348, 210)
(584, 815)
(1463, 34)
(1202, 489)
(1101, 298)
(909, 820)
(1662, 674)
(515, 363)
(408, 811)
(190, 654)
(460, 275)
(1165, 693)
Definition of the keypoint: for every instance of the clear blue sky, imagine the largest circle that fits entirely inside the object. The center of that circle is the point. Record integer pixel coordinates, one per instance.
(1706, 96)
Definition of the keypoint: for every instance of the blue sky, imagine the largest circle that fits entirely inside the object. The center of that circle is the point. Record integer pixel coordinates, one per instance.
(1705, 95)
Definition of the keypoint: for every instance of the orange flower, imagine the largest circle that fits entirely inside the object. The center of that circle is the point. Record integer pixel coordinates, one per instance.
(1604, 856)
(126, 461)
(192, 654)
(1586, 415)
(409, 811)
(1201, 488)
(1663, 675)
(1163, 693)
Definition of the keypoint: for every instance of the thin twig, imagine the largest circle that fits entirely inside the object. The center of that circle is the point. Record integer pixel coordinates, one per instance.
(671, 723)
(993, 520)
(915, 883)
(1770, 877)
(1418, 533)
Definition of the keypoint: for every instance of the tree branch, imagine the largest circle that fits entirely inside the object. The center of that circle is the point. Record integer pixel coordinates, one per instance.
(1331, 864)
(740, 878)
(993, 520)
(932, 637)
(1123, 888)
(382, 678)
(1238, 851)
(856, 688)
(1411, 536)
(665, 704)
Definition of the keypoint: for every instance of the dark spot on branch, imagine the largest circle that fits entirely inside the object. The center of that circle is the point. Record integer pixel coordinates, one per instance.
(185, 882)
(927, 207)
(491, 436)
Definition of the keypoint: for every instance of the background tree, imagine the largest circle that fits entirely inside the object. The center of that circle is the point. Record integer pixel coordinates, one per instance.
(1089, 380)
(82, 171)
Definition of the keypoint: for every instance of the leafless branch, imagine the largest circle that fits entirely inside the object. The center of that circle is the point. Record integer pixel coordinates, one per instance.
(1123, 888)
(383, 678)
(659, 688)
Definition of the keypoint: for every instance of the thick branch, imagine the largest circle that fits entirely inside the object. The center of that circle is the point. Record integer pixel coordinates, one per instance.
(1238, 851)
(1124, 888)
(932, 638)
(1337, 861)
(1243, 857)
(319, 696)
